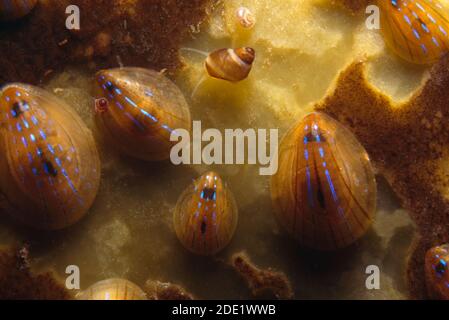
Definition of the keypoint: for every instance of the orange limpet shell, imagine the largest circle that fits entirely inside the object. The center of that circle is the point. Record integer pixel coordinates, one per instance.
(206, 215)
(15, 9)
(324, 192)
(138, 110)
(49, 164)
(113, 289)
(417, 31)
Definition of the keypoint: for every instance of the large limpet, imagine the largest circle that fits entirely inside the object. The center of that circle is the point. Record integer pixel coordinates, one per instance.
(417, 31)
(324, 192)
(49, 164)
(137, 110)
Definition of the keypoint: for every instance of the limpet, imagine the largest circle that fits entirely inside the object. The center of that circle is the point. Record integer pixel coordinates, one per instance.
(324, 192)
(417, 31)
(15, 9)
(113, 289)
(437, 272)
(137, 110)
(49, 164)
(206, 215)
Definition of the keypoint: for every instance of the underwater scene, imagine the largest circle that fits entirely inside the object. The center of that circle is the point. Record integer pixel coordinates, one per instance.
(224, 149)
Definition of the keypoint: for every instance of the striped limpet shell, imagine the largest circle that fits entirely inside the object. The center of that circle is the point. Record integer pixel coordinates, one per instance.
(417, 31)
(49, 164)
(206, 215)
(113, 289)
(137, 110)
(324, 192)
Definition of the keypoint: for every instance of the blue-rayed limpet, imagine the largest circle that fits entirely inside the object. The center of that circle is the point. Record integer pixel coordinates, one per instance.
(49, 164)
(15, 9)
(138, 109)
(437, 272)
(417, 31)
(112, 289)
(206, 215)
(324, 192)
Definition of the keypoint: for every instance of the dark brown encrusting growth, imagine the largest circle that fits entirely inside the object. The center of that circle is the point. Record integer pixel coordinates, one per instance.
(261, 281)
(157, 290)
(143, 33)
(18, 282)
(408, 144)
(355, 6)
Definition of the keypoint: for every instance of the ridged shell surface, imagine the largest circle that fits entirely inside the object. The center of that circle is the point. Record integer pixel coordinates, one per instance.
(437, 272)
(416, 30)
(49, 164)
(15, 9)
(324, 192)
(113, 289)
(142, 108)
(206, 215)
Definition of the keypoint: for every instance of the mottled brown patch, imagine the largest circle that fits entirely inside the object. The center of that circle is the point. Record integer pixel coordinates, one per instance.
(355, 6)
(262, 281)
(143, 33)
(18, 282)
(406, 144)
(157, 290)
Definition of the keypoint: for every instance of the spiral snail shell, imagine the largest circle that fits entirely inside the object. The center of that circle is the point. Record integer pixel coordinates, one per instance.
(417, 31)
(245, 17)
(138, 110)
(15, 9)
(230, 64)
(437, 272)
(324, 192)
(206, 215)
(49, 164)
(113, 289)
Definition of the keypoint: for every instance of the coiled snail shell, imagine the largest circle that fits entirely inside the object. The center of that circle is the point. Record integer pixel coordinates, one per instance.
(15, 9)
(230, 64)
(138, 110)
(437, 272)
(49, 164)
(324, 192)
(113, 289)
(206, 215)
(245, 17)
(417, 31)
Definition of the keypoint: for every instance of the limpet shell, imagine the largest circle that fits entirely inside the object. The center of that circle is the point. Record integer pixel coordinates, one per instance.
(437, 272)
(417, 31)
(49, 164)
(324, 192)
(137, 110)
(15, 9)
(113, 289)
(206, 215)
